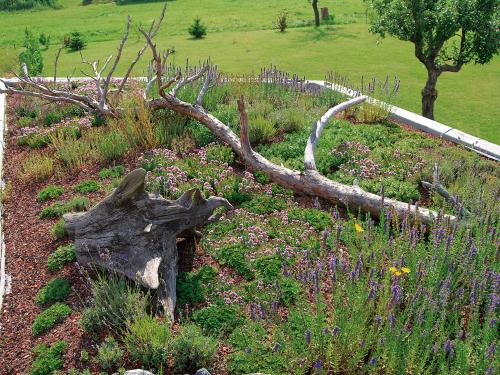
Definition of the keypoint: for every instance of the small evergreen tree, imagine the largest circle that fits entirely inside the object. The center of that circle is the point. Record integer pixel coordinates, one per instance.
(282, 21)
(44, 40)
(197, 29)
(31, 56)
(76, 41)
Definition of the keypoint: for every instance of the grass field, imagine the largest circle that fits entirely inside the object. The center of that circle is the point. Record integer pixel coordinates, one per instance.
(241, 39)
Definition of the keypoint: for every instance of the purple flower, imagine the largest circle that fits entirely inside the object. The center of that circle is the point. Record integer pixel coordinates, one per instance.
(325, 331)
(396, 293)
(447, 347)
(308, 337)
(274, 305)
(248, 350)
(373, 361)
(317, 364)
(336, 331)
(392, 321)
(492, 349)
(378, 319)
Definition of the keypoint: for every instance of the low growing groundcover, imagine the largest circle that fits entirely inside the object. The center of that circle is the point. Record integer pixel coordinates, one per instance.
(281, 284)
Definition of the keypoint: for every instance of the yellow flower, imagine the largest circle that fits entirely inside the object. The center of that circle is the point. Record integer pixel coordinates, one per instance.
(358, 228)
(393, 269)
(405, 270)
(397, 273)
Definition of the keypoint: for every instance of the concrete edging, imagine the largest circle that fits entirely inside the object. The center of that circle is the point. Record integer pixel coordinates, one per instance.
(485, 148)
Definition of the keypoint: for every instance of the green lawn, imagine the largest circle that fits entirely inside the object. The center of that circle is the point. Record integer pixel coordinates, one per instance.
(241, 39)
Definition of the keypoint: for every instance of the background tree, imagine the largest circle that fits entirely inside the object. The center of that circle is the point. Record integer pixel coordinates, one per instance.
(31, 56)
(314, 4)
(447, 34)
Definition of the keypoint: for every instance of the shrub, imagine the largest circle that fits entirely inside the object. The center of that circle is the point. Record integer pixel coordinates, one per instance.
(115, 303)
(34, 140)
(113, 172)
(191, 350)
(223, 154)
(11, 5)
(47, 359)
(183, 143)
(58, 209)
(234, 257)
(44, 40)
(55, 291)
(76, 41)
(72, 151)
(201, 134)
(62, 255)
(26, 112)
(109, 354)
(218, 319)
(111, 146)
(318, 219)
(289, 290)
(87, 186)
(261, 130)
(147, 341)
(197, 29)
(57, 231)
(52, 117)
(268, 267)
(50, 317)
(291, 120)
(282, 21)
(73, 110)
(50, 192)
(231, 190)
(36, 167)
(31, 56)
(263, 204)
(190, 290)
(261, 177)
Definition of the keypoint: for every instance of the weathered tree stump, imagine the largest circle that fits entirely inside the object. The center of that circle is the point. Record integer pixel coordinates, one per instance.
(134, 233)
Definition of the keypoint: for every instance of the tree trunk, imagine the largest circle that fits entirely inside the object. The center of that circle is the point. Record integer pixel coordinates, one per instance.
(429, 94)
(316, 12)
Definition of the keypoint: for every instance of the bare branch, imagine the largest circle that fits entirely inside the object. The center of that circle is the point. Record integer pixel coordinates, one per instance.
(51, 98)
(117, 58)
(156, 60)
(309, 159)
(153, 30)
(205, 87)
(246, 147)
(185, 81)
(441, 190)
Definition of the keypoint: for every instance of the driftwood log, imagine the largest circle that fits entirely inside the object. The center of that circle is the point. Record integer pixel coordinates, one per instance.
(135, 233)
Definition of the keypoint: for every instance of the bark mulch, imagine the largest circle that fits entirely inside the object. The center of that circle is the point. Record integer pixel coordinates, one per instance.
(28, 244)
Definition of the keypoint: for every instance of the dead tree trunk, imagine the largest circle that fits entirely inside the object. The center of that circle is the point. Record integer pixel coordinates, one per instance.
(134, 234)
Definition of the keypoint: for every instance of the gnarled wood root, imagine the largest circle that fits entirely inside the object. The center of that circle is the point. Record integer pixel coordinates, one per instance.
(134, 233)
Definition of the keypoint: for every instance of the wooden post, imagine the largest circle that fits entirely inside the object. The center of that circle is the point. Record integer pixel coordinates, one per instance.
(325, 15)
